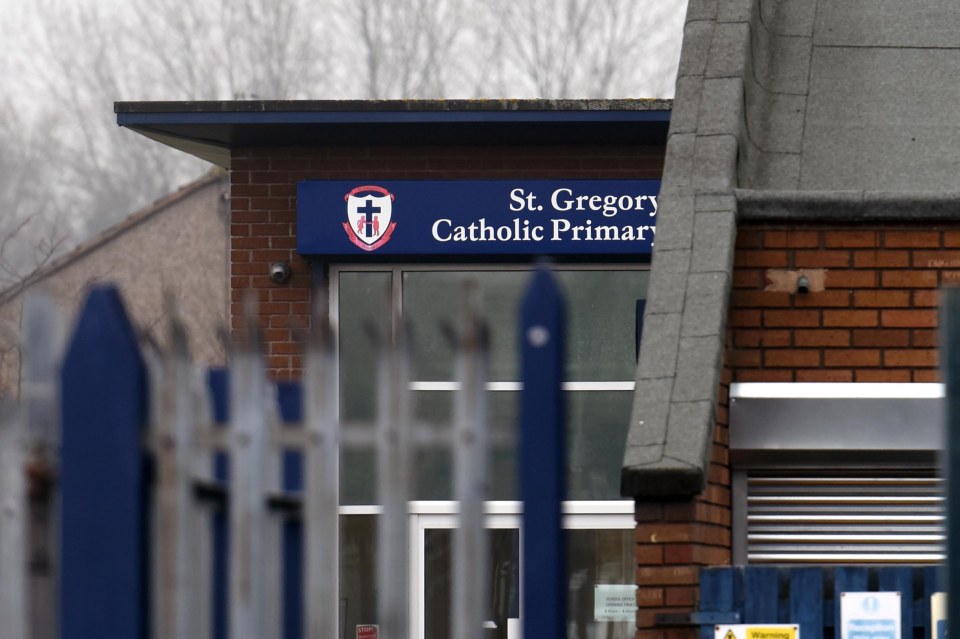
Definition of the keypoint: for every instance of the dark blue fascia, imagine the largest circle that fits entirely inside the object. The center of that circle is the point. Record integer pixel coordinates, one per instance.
(387, 117)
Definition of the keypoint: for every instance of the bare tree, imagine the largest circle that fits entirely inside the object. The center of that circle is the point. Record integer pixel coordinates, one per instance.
(31, 228)
(88, 55)
(587, 48)
(407, 47)
(84, 54)
(230, 49)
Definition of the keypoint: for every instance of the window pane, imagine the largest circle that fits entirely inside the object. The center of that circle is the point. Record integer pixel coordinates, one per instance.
(503, 573)
(601, 323)
(432, 299)
(601, 336)
(434, 467)
(597, 424)
(597, 558)
(601, 320)
(358, 570)
(433, 474)
(364, 306)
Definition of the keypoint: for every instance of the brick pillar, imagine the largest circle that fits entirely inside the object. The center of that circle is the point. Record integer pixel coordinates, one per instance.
(674, 538)
(263, 231)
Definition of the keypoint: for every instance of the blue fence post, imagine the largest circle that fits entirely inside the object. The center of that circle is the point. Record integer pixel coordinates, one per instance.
(542, 462)
(846, 579)
(720, 592)
(950, 339)
(103, 588)
(900, 579)
(806, 601)
(761, 592)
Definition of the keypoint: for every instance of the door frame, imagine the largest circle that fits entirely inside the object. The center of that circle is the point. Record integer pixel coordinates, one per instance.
(577, 515)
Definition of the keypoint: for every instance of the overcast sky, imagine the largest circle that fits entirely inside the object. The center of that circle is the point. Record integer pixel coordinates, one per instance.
(64, 62)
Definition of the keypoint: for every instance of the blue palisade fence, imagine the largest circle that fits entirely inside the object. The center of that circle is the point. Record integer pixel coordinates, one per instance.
(190, 503)
(809, 596)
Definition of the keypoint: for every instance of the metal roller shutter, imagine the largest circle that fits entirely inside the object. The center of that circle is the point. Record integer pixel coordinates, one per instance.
(838, 516)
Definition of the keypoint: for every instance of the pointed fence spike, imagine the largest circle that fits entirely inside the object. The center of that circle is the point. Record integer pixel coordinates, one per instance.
(103, 476)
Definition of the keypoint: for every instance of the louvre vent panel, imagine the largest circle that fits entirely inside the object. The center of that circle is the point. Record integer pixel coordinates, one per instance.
(830, 517)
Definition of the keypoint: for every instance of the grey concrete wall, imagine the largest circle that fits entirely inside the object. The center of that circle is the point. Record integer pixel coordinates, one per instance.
(784, 109)
(178, 246)
(853, 95)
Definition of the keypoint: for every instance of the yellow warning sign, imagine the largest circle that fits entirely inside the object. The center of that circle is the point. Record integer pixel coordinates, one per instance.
(771, 632)
(768, 631)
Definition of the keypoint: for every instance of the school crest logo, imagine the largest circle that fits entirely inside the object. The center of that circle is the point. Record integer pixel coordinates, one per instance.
(369, 209)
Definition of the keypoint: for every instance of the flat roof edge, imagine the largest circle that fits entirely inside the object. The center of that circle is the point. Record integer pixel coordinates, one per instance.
(385, 106)
(847, 206)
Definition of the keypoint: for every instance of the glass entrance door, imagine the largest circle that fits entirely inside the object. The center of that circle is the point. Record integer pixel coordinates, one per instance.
(599, 571)
(432, 559)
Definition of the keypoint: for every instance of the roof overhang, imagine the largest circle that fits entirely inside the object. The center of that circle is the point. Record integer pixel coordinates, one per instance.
(210, 130)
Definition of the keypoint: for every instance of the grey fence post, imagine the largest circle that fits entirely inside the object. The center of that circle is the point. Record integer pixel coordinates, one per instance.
(394, 468)
(249, 448)
(28, 436)
(470, 431)
(181, 572)
(44, 334)
(321, 495)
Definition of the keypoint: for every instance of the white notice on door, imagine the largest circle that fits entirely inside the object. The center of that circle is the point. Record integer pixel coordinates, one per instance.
(615, 602)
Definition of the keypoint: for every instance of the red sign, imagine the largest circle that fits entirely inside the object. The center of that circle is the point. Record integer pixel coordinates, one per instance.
(368, 631)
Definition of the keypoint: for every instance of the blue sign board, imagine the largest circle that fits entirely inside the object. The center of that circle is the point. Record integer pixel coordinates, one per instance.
(476, 217)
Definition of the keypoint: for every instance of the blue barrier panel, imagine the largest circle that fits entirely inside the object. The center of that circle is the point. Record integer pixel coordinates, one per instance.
(719, 588)
(812, 596)
(900, 579)
(846, 579)
(289, 400)
(760, 595)
(289, 397)
(103, 587)
(218, 381)
(806, 601)
(542, 458)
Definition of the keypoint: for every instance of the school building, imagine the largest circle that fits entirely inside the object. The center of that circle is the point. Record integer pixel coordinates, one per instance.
(779, 232)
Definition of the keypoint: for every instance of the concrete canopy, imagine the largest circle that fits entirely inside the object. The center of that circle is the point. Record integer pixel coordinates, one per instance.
(784, 110)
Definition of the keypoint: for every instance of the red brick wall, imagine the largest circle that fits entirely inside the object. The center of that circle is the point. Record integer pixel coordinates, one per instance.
(675, 538)
(263, 205)
(875, 321)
